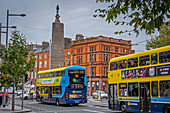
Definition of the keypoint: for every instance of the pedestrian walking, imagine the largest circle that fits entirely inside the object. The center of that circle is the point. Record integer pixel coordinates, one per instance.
(31, 94)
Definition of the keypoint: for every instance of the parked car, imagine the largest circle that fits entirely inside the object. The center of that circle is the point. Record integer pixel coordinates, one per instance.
(96, 94)
(26, 95)
(19, 92)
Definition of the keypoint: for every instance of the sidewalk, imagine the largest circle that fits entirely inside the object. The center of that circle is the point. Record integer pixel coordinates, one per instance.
(8, 109)
(97, 102)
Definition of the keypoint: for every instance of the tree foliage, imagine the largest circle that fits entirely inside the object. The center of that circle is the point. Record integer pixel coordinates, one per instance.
(14, 60)
(147, 15)
(162, 40)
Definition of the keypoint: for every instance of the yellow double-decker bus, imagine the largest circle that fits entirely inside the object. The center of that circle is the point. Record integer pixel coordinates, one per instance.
(140, 82)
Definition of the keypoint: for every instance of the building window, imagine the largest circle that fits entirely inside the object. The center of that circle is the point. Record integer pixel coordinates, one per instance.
(106, 48)
(93, 59)
(68, 52)
(40, 56)
(88, 86)
(35, 64)
(104, 86)
(125, 50)
(92, 48)
(106, 58)
(93, 86)
(116, 56)
(40, 64)
(79, 50)
(97, 86)
(93, 71)
(68, 61)
(36, 57)
(116, 49)
(45, 56)
(45, 63)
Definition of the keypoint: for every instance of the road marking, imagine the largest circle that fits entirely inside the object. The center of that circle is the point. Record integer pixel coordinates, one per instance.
(92, 111)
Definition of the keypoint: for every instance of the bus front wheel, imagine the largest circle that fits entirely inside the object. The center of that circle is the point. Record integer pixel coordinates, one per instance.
(167, 109)
(123, 107)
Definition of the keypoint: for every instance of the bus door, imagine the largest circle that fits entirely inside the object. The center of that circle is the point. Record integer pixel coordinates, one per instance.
(145, 100)
(113, 104)
(50, 93)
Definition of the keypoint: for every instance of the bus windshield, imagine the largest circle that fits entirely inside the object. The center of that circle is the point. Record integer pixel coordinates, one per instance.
(76, 78)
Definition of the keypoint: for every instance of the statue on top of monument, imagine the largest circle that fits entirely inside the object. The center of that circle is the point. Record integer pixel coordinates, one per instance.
(57, 8)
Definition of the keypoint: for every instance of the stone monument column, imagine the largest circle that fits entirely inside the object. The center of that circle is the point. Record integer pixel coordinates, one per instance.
(57, 47)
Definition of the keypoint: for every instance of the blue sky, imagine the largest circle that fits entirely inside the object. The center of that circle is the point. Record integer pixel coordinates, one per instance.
(77, 16)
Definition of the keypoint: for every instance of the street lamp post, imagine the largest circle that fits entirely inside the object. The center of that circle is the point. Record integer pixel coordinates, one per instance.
(8, 14)
(1, 48)
(90, 79)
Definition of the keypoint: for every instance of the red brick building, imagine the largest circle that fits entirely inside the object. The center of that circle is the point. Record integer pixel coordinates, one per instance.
(94, 54)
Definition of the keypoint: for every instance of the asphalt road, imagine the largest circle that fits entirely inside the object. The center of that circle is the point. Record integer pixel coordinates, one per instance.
(90, 107)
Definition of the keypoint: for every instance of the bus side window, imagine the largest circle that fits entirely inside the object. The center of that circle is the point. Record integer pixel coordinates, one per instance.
(154, 88)
(144, 60)
(56, 74)
(154, 58)
(50, 74)
(133, 62)
(59, 73)
(62, 73)
(39, 75)
(113, 66)
(53, 74)
(164, 88)
(46, 75)
(42, 89)
(46, 90)
(164, 57)
(123, 89)
(122, 64)
(42, 75)
(133, 89)
(57, 89)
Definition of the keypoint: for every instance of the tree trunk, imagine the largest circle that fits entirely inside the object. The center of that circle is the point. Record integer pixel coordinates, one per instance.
(13, 97)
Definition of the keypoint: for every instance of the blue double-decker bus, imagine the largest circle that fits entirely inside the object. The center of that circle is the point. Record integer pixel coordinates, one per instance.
(66, 85)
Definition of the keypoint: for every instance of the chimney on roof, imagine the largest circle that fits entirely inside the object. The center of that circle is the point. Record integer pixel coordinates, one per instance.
(45, 45)
(79, 37)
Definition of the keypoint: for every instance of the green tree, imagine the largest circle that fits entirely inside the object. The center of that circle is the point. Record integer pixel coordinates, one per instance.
(147, 15)
(14, 61)
(162, 40)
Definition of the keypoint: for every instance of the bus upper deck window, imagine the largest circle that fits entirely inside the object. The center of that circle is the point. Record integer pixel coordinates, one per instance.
(59, 73)
(50, 74)
(42, 75)
(133, 62)
(39, 75)
(62, 73)
(113, 66)
(144, 60)
(56, 74)
(46, 75)
(53, 74)
(154, 58)
(122, 64)
(164, 57)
